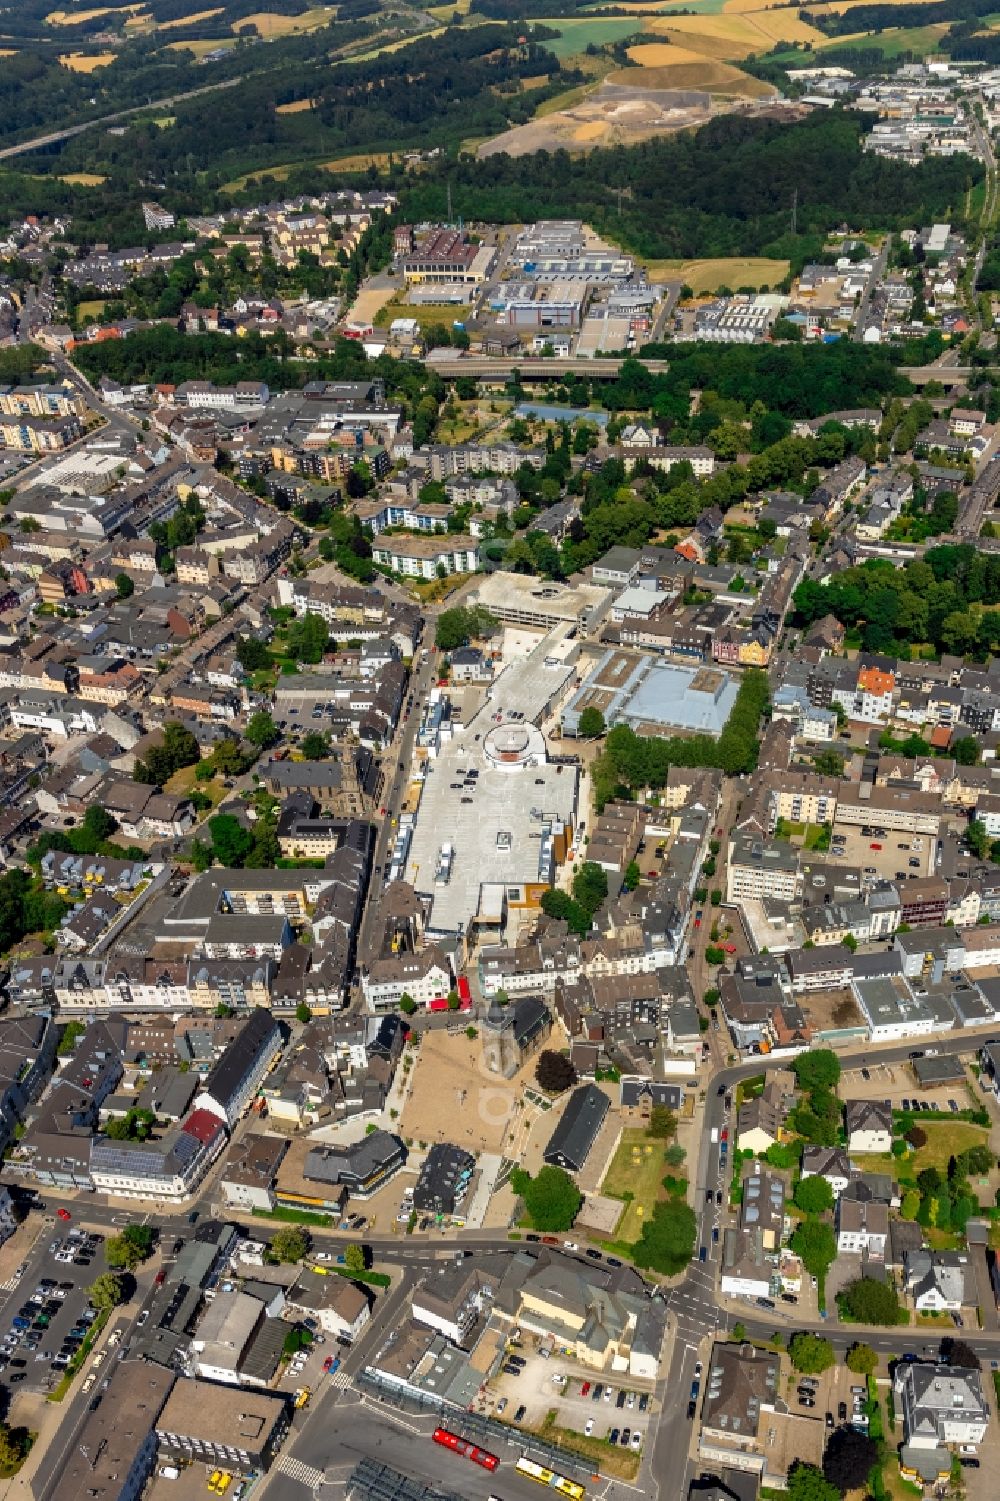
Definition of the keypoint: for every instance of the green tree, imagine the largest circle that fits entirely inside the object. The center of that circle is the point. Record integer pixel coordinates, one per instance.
(121, 1254)
(72, 1032)
(632, 877)
(871, 1301)
(315, 746)
(261, 729)
(861, 1359)
(591, 723)
(551, 1198)
(98, 822)
(849, 1459)
(354, 1258)
(106, 1292)
(289, 1243)
(590, 886)
(124, 586)
(303, 1012)
(252, 655)
(662, 1123)
(407, 1004)
(807, 1483)
(231, 842)
(668, 1237)
(819, 1069)
(813, 1195)
(815, 1243)
(810, 1353)
(966, 750)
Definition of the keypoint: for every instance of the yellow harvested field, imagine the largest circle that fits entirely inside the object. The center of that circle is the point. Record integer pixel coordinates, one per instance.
(297, 107)
(841, 5)
(83, 179)
(591, 131)
(8, 51)
(661, 55)
(705, 276)
(74, 17)
(199, 15)
(693, 71)
(445, 12)
(742, 34)
(271, 26)
(359, 161)
(86, 62)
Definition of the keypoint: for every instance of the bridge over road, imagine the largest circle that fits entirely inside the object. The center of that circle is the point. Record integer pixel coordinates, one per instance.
(484, 368)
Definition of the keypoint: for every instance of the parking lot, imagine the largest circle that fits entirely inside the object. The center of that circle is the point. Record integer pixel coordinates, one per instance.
(583, 1402)
(47, 1316)
(898, 1083)
(883, 853)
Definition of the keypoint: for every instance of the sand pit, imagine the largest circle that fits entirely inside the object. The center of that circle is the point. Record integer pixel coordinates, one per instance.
(613, 115)
(454, 1098)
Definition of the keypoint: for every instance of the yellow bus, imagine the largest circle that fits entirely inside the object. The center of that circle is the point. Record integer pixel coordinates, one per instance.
(559, 1483)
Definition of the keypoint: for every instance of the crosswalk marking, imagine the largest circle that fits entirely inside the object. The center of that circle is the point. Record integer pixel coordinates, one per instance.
(341, 1380)
(297, 1469)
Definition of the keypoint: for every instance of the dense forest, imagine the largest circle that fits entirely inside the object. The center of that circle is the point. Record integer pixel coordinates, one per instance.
(943, 600)
(431, 94)
(730, 187)
(882, 15)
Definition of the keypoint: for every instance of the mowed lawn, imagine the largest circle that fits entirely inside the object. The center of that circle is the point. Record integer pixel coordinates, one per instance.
(945, 1139)
(637, 1168)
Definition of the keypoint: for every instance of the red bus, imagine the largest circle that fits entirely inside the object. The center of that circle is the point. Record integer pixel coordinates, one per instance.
(466, 1447)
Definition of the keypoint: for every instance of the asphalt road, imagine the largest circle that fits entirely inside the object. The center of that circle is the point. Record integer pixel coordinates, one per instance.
(54, 136)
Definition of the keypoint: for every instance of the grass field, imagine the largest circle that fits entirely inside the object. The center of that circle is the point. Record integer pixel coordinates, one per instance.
(92, 309)
(944, 1139)
(577, 35)
(83, 62)
(705, 276)
(83, 179)
(918, 39)
(425, 314)
(201, 48)
(637, 1168)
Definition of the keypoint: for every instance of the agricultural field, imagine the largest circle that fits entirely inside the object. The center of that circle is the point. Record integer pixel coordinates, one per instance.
(297, 107)
(83, 179)
(707, 275)
(202, 48)
(662, 65)
(74, 17)
(577, 35)
(917, 39)
(199, 15)
(270, 26)
(86, 62)
(733, 35)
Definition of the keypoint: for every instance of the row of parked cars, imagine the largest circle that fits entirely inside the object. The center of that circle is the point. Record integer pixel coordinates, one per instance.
(29, 1328)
